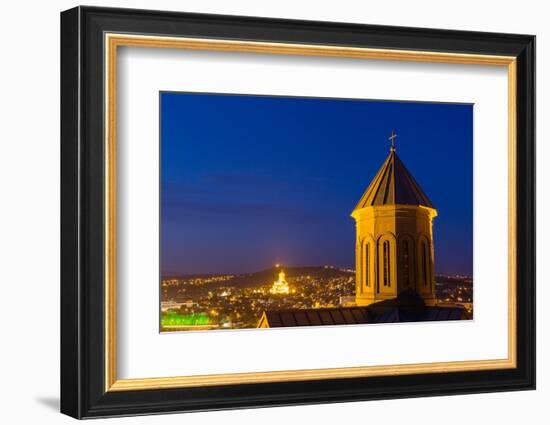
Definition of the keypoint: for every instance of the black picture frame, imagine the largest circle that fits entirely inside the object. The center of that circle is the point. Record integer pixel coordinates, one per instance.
(83, 392)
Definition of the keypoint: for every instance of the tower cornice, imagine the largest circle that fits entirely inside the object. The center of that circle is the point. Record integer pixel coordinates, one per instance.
(380, 210)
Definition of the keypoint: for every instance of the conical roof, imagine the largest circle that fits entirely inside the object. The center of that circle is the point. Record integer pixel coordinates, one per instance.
(393, 185)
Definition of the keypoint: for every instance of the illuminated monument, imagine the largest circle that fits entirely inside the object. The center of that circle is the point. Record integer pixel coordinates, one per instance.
(394, 248)
(280, 286)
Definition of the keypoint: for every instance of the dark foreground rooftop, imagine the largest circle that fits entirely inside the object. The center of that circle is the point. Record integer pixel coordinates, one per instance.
(408, 307)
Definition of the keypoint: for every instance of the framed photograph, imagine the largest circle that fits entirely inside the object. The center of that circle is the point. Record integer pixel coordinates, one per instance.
(261, 212)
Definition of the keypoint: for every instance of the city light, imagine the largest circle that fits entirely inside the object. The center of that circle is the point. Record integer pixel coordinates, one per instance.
(188, 303)
(280, 286)
(174, 319)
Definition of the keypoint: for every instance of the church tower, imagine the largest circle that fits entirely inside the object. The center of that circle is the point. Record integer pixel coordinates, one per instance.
(394, 236)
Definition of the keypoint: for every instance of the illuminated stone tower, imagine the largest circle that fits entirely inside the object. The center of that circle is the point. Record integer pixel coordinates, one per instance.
(394, 239)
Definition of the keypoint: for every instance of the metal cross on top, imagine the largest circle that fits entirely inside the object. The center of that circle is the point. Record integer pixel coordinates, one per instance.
(392, 138)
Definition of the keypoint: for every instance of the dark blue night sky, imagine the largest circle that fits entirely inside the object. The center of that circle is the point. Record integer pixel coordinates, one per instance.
(250, 181)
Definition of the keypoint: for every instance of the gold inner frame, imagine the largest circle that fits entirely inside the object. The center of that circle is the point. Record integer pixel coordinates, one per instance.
(113, 41)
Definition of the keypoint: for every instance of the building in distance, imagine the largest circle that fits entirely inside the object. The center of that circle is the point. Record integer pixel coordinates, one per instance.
(280, 286)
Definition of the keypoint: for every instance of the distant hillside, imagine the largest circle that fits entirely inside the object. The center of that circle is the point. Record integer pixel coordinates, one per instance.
(267, 276)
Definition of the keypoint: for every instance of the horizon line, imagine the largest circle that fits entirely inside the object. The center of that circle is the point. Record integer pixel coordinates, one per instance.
(282, 266)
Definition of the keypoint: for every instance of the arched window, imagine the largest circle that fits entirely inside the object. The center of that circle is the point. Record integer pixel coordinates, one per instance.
(366, 270)
(406, 265)
(425, 259)
(386, 262)
(359, 273)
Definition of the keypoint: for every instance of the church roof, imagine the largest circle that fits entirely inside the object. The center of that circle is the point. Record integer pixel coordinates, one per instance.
(316, 317)
(358, 316)
(407, 307)
(393, 185)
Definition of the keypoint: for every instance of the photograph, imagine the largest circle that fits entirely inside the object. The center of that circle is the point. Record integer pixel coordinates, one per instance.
(284, 210)
(279, 211)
